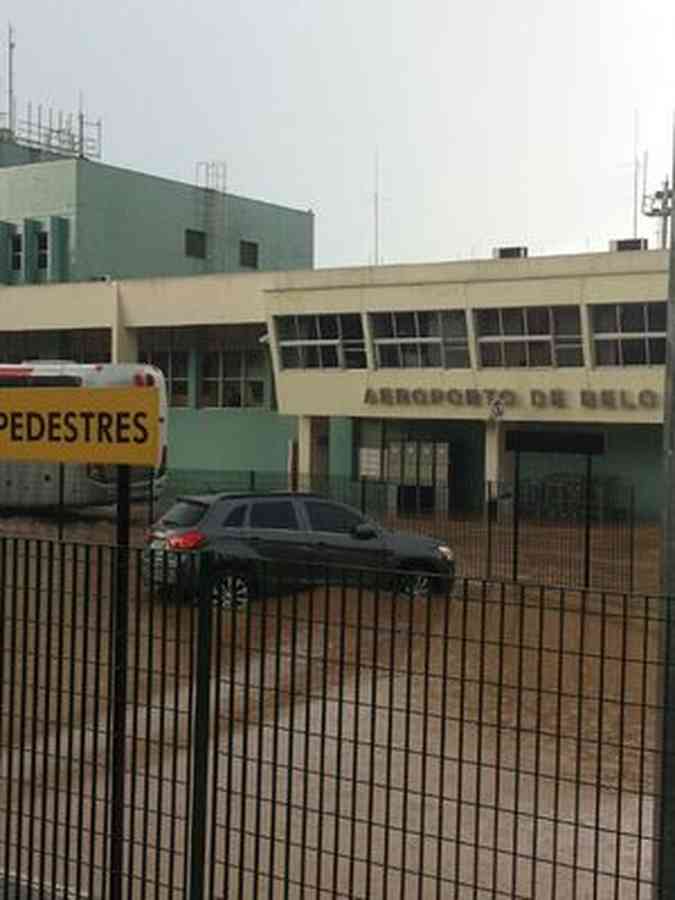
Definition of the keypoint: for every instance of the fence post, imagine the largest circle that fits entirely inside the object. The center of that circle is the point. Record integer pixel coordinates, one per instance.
(363, 495)
(631, 539)
(119, 684)
(490, 504)
(62, 500)
(516, 518)
(200, 748)
(587, 525)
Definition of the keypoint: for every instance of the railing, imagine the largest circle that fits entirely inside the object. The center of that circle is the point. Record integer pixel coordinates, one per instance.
(547, 532)
(332, 738)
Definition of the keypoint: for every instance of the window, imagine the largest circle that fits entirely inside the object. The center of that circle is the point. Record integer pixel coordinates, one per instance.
(274, 514)
(167, 348)
(235, 518)
(327, 341)
(195, 243)
(420, 340)
(232, 378)
(629, 334)
(16, 252)
(43, 250)
(184, 513)
(248, 254)
(330, 517)
(529, 337)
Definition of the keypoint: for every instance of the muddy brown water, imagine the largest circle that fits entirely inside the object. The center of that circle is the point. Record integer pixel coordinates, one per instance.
(504, 744)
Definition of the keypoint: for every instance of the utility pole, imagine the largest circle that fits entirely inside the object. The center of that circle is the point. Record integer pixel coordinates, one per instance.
(665, 808)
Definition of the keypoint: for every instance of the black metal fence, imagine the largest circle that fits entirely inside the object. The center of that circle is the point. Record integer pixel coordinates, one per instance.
(555, 530)
(505, 741)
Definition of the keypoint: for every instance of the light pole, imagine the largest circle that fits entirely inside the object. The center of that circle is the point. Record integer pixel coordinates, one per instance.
(665, 810)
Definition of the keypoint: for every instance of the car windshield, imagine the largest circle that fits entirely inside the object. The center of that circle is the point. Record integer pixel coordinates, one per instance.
(184, 513)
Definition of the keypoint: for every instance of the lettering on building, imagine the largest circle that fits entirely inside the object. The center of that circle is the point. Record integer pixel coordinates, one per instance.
(537, 398)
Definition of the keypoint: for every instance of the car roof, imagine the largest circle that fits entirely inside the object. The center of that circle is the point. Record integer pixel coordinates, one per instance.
(208, 499)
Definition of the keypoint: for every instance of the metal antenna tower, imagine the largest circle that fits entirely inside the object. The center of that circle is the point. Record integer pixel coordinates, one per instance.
(658, 205)
(10, 80)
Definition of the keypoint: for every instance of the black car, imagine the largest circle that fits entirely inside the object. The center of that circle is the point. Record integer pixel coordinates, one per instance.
(232, 544)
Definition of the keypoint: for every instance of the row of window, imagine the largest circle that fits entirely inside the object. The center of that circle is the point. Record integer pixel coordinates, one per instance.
(196, 247)
(16, 251)
(230, 378)
(513, 337)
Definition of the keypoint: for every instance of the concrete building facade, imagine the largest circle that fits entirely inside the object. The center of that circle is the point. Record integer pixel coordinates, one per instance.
(78, 220)
(359, 365)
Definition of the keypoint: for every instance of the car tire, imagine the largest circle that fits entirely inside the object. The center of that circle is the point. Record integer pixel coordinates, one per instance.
(413, 585)
(231, 590)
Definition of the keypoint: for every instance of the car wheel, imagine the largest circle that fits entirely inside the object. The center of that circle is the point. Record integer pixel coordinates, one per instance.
(414, 586)
(231, 590)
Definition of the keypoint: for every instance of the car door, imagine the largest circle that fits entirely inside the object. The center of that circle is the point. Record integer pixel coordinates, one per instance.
(334, 542)
(274, 533)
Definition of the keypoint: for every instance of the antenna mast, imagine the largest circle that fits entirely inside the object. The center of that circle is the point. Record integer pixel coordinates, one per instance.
(376, 208)
(10, 80)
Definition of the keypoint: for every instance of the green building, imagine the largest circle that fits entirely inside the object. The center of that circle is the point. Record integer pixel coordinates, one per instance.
(73, 219)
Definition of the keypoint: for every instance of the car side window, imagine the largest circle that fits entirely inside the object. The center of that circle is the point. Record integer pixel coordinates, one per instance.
(329, 517)
(273, 514)
(235, 517)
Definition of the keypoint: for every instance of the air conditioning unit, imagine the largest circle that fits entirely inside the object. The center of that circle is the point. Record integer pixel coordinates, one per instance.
(624, 244)
(509, 253)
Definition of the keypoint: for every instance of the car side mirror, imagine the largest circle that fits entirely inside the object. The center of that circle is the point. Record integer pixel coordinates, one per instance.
(364, 531)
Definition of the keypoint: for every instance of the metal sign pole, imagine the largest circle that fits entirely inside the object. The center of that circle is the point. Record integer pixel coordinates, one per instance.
(665, 810)
(119, 698)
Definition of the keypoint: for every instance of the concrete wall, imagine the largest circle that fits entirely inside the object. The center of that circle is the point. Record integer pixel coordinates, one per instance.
(229, 440)
(132, 225)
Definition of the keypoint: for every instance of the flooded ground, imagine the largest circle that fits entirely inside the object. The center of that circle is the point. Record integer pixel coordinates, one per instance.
(502, 744)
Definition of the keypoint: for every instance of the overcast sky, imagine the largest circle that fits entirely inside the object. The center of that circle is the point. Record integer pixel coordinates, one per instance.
(494, 122)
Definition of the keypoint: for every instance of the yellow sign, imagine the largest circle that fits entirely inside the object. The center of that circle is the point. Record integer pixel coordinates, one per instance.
(93, 425)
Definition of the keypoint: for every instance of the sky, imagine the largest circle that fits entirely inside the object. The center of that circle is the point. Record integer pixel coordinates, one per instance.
(456, 128)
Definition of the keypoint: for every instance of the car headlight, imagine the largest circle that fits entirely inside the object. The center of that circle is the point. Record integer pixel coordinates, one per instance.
(445, 552)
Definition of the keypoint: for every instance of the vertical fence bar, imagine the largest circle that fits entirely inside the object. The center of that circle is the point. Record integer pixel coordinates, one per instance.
(631, 539)
(62, 501)
(200, 749)
(119, 684)
(491, 504)
(516, 517)
(587, 521)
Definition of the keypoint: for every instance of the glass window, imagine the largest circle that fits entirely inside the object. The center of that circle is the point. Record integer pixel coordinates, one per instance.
(487, 322)
(636, 319)
(235, 517)
(184, 513)
(656, 316)
(515, 353)
(382, 325)
(539, 353)
(513, 321)
(632, 317)
(248, 254)
(634, 352)
(43, 250)
(273, 514)
(454, 324)
(322, 341)
(657, 351)
(607, 353)
(405, 324)
(538, 320)
(388, 356)
(566, 320)
(569, 355)
(604, 319)
(491, 355)
(330, 517)
(195, 243)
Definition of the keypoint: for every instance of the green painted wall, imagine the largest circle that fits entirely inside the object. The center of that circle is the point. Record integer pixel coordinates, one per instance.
(223, 440)
(133, 225)
(341, 447)
(15, 155)
(632, 455)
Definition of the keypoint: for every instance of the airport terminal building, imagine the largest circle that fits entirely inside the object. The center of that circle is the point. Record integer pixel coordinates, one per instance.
(410, 373)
